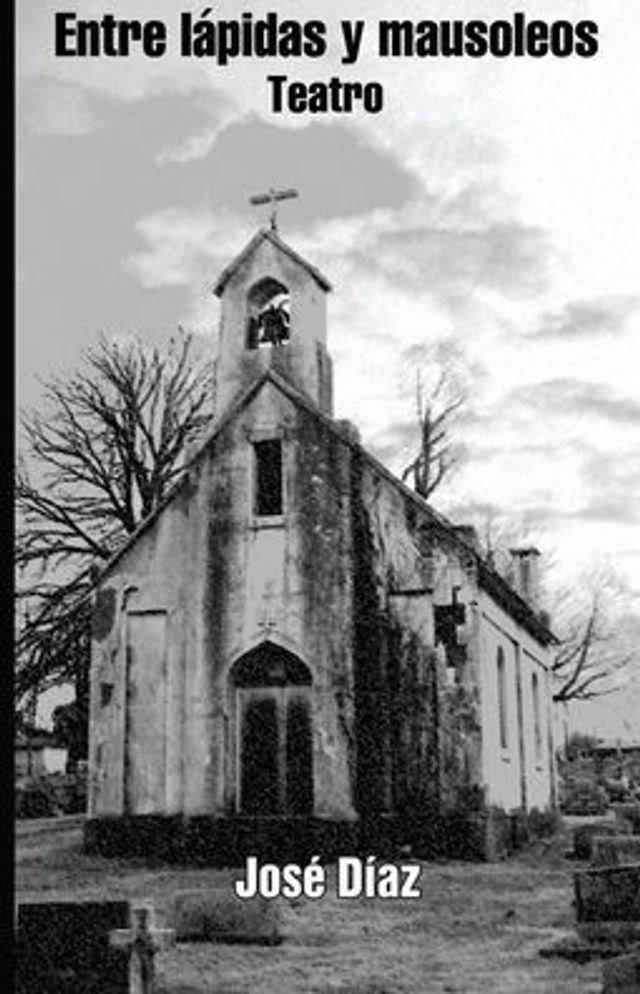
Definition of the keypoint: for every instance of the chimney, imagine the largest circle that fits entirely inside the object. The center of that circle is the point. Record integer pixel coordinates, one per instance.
(526, 574)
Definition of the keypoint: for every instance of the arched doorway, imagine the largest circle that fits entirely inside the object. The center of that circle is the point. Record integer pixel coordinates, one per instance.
(275, 759)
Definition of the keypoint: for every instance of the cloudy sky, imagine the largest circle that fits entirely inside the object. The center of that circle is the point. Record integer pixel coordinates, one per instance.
(491, 210)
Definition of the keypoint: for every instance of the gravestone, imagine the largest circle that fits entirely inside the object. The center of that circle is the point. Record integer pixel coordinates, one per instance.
(614, 850)
(608, 903)
(212, 916)
(609, 893)
(584, 835)
(628, 816)
(140, 942)
(63, 948)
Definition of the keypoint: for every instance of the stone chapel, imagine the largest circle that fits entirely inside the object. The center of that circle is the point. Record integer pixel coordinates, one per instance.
(295, 654)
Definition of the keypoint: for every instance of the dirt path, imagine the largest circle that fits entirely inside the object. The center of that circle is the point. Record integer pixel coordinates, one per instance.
(477, 928)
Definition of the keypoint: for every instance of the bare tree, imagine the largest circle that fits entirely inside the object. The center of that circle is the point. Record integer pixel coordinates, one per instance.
(96, 460)
(440, 394)
(597, 647)
(597, 639)
(499, 534)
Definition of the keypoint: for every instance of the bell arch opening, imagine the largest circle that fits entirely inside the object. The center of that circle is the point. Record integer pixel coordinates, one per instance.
(268, 314)
(272, 690)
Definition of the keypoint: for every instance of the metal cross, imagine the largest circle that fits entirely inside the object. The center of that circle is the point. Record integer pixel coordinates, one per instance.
(272, 197)
(142, 941)
(267, 625)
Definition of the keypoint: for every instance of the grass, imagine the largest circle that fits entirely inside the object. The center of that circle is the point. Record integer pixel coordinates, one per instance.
(477, 929)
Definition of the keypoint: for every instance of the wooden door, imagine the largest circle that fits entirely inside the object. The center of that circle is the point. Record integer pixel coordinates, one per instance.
(275, 755)
(145, 725)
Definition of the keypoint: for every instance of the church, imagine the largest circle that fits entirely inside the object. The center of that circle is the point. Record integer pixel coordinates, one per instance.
(295, 654)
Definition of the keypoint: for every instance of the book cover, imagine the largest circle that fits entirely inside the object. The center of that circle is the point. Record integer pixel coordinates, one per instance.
(457, 183)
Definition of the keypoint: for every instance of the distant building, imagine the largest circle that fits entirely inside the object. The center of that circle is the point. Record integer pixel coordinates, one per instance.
(38, 753)
(295, 649)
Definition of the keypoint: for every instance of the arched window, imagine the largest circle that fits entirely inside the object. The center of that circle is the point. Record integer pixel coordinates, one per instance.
(268, 314)
(275, 775)
(502, 699)
(537, 729)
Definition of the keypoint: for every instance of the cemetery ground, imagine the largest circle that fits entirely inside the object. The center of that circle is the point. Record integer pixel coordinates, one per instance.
(477, 928)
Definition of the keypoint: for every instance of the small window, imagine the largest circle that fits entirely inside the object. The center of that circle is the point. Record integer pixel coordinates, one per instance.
(106, 693)
(537, 728)
(268, 478)
(502, 699)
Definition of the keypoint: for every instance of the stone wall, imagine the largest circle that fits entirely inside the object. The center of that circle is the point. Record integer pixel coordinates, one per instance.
(347, 580)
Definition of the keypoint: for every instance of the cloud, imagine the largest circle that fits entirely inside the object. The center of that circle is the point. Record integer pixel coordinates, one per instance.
(567, 396)
(361, 213)
(451, 253)
(620, 509)
(456, 256)
(449, 247)
(337, 172)
(80, 198)
(181, 247)
(339, 177)
(597, 487)
(612, 487)
(194, 146)
(504, 522)
(53, 107)
(587, 318)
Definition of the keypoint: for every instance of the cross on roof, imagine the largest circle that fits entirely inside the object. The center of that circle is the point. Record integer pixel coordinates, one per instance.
(272, 197)
(141, 941)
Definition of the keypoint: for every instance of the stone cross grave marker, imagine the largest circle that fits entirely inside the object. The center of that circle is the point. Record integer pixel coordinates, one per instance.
(142, 940)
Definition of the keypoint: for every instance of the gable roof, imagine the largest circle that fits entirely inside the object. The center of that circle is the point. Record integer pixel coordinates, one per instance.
(488, 578)
(265, 234)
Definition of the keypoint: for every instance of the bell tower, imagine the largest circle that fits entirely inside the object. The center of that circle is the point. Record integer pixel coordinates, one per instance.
(273, 315)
